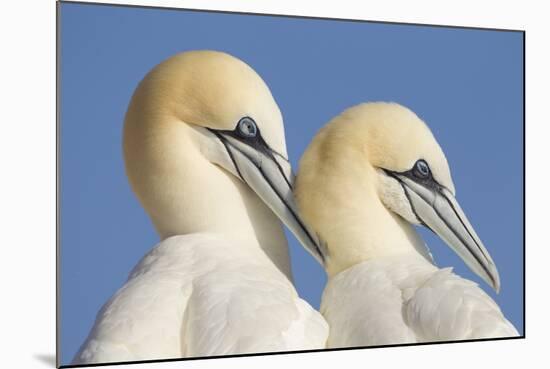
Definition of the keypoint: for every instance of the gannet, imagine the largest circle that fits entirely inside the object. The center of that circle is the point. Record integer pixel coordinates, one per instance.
(366, 178)
(205, 154)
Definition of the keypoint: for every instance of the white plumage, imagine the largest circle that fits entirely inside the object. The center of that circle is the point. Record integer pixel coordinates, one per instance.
(200, 295)
(405, 299)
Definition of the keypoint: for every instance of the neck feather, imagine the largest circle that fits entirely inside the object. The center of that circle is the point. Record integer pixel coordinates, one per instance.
(360, 227)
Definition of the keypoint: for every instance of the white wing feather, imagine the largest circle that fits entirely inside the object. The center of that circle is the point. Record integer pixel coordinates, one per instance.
(447, 307)
(407, 300)
(198, 295)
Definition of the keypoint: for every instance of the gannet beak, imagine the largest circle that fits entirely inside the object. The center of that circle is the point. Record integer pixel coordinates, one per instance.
(436, 207)
(270, 176)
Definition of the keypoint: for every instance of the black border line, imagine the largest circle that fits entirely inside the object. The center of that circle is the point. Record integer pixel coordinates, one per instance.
(524, 172)
(58, 184)
(293, 16)
(290, 352)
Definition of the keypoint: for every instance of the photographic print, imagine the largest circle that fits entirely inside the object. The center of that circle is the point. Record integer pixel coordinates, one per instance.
(241, 184)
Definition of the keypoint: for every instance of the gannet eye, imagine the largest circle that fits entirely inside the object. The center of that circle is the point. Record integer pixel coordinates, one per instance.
(421, 169)
(247, 127)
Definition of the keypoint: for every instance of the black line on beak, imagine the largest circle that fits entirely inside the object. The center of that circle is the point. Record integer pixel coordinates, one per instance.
(257, 143)
(457, 235)
(409, 199)
(279, 155)
(300, 223)
(287, 180)
(226, 144)
(464, 225)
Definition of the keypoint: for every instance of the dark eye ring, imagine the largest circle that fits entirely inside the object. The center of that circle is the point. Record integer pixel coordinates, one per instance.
(247, 127)
(421, 169)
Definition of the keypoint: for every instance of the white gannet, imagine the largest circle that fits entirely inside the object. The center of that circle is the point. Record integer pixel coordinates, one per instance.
(205, 154)
(368, 176)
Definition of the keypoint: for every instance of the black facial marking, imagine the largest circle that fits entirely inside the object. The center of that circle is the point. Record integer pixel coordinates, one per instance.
(248, 132)
(421, 174)
(243, 132)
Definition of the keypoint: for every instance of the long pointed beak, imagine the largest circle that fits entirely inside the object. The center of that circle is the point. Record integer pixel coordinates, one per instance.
(270, 177)
(437, 208)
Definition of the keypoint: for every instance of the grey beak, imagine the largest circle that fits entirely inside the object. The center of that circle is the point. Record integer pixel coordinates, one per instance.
(438, 209)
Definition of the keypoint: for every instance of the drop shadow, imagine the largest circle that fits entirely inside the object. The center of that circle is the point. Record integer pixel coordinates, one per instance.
(48, 359)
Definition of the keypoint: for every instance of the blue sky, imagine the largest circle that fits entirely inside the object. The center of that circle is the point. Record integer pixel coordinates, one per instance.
(466, 84)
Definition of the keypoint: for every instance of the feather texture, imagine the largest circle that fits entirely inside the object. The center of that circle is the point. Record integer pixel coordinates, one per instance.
(200, 295)
(406, 299)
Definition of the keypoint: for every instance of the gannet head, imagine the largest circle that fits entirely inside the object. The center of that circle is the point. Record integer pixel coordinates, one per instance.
(407, 171)
(216, 104)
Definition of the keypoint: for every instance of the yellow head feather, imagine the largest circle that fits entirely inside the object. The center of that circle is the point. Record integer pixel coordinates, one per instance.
(340, 187)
